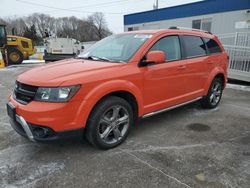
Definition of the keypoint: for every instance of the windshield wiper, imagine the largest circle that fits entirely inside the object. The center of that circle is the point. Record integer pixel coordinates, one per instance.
(99, 58)
(79, 57)
(106, 59)
(92, 57)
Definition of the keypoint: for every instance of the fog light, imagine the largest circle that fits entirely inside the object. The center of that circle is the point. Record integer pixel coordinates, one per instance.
(40, 132)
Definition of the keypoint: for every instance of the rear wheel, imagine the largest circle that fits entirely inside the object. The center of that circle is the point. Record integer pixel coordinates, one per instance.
(214, 94)
(14, 56)
(109, 123)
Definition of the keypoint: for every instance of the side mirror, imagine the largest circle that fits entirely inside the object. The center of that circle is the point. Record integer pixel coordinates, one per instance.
(155, 57)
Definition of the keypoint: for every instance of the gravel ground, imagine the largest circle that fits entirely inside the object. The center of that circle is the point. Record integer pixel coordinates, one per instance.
(185, 147)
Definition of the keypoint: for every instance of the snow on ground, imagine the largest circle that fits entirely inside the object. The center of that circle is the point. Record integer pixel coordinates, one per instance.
(10, 68)
(25, 63)
(11, 164)
(33, 61)
(238, 87)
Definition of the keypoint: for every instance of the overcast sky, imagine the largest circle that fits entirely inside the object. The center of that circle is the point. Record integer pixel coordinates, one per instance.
(113, 9)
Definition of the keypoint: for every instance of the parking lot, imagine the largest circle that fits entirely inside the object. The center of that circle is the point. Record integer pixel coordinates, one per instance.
(185, 147)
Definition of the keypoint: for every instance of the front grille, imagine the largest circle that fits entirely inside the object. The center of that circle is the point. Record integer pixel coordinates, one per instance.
(24, 93)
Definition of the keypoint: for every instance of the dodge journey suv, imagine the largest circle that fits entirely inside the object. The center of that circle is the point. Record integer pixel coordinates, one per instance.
(101, 93)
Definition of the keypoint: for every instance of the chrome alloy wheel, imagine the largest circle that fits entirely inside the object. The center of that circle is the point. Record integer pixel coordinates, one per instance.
(215, 93)
(113, 124)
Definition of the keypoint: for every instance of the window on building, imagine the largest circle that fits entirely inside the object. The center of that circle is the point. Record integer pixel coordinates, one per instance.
(196, 24)
(204, 24)
(170, 46)
(212, 46)
(133, 28)
(130, 29)
(194, 46)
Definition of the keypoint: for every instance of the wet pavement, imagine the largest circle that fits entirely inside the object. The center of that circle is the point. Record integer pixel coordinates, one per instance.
(185, 147)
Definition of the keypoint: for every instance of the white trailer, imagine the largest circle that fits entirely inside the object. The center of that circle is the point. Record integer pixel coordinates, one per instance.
(61, 48)
(86, 45)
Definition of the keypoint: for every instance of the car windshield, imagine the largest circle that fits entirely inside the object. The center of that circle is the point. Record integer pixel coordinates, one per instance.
(116, 48)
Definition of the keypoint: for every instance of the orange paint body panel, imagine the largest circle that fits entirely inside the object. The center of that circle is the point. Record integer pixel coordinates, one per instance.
(154, 87)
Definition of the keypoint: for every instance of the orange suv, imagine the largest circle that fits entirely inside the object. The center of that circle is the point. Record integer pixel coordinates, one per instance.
(102, 92)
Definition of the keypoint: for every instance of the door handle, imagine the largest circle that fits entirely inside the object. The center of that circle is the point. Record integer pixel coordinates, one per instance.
(181, 67)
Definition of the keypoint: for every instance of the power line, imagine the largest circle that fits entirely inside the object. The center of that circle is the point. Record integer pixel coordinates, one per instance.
(110, 3)
(100, 4)
(63, 9)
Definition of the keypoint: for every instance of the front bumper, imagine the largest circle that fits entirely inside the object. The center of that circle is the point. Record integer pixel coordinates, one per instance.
(35, 132)
(41, 133)
(57, 116)
(24, 126)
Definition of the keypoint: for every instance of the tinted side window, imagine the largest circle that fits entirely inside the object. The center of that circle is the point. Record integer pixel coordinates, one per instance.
(3, 39)
(194, 46)
(170, 46)
(212, 46)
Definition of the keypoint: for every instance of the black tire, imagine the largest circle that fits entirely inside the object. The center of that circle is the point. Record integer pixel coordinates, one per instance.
(13, 51)
(214, 94)
(95, 131)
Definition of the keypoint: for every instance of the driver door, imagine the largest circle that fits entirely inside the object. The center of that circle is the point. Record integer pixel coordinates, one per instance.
(164, 84)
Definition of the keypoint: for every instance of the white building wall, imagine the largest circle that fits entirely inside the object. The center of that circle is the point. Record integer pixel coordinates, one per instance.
(221, 22)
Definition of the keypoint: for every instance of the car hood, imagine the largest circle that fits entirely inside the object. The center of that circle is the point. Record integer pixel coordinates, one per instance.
(60, 72)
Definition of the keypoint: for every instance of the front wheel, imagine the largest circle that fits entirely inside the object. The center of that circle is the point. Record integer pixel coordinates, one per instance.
(214, 94)
(14, 56)
(109, 123)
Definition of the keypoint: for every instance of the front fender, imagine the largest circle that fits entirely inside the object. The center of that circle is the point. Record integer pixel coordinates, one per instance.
(101, 90)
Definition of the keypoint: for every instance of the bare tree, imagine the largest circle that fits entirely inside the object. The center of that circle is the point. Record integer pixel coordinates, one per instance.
(15, 25)
(99, 25)
(42, 22)
(92, 28)
(68, 27)
(2, 21)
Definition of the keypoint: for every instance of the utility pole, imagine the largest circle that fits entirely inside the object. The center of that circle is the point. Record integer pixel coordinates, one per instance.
(155, 5)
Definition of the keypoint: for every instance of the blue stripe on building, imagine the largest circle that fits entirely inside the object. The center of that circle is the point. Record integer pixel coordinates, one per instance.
(187, 10)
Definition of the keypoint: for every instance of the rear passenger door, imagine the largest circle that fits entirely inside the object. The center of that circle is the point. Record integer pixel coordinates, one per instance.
(195, 58)
(214, 55)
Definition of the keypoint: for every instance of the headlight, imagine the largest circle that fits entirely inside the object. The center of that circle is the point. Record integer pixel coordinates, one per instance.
(56, 94)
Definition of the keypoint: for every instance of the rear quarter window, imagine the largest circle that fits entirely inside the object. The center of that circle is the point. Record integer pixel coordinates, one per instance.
(212, 46)
(194, 46)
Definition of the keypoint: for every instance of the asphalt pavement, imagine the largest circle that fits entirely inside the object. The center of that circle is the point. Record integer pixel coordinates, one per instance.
(185, 147)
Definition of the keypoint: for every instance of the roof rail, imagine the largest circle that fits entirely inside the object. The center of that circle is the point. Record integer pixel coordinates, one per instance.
(192, 29)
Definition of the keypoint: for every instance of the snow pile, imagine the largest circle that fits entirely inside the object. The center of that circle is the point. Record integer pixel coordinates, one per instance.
(33, 61)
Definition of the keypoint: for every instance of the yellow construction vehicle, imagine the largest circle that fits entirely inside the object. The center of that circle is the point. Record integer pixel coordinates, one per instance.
(2, 64)
(15, 48)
